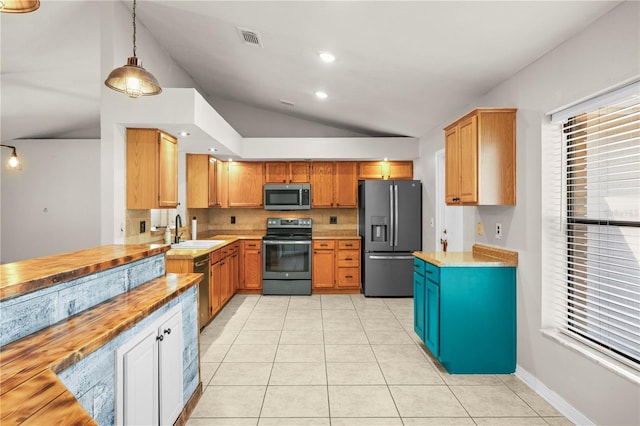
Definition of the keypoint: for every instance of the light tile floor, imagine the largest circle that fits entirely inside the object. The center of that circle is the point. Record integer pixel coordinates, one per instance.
(343, 360)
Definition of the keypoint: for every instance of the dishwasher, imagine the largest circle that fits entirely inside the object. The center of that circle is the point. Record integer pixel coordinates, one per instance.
(201, 266)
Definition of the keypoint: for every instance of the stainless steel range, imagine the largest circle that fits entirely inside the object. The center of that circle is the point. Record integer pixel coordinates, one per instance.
(286, 260)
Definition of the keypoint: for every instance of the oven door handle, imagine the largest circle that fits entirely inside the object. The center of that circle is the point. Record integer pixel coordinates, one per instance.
(278, 242)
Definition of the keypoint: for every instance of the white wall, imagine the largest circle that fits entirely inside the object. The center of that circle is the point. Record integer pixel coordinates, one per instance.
(605, 54)
(52, 205)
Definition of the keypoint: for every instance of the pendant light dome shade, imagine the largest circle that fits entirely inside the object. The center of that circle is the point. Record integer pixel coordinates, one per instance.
(133, 80)
(19, 6)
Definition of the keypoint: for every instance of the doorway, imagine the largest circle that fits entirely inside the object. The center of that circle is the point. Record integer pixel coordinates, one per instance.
(449, 221)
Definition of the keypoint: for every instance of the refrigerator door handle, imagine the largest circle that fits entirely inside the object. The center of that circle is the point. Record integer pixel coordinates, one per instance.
(391, 211)
(395, 216)
(390, 257)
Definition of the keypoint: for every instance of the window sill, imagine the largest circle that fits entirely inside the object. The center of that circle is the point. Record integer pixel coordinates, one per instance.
(596, 356)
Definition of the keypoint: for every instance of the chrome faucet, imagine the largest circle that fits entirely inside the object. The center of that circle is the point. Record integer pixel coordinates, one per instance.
(176, 239)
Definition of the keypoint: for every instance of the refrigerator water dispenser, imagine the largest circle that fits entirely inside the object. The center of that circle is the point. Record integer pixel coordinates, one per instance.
(379, 228)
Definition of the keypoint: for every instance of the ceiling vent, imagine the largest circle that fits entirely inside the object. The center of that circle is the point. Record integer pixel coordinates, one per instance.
(287, 103)
(250, 37)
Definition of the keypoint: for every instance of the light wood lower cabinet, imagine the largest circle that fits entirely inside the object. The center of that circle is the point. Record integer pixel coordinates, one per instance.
(251, 265)
(336, 265)
(323, 264)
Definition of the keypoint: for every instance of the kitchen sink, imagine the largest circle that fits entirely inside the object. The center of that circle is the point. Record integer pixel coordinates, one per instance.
(197, 244)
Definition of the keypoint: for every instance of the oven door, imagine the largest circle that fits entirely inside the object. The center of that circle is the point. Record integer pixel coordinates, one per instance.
(286, 259)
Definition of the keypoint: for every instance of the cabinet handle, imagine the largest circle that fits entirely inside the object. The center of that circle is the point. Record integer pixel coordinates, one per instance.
(428, 272)
(323, 245)
(160, 338)
(168, 331)
(349, 245)
(348, 276)
(348, 258)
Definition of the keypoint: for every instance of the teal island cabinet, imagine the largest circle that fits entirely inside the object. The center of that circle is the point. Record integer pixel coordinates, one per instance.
(465, 308)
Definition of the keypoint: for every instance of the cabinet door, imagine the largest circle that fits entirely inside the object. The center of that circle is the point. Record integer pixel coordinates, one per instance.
(140, 366)
(245, 184)
(170, 367)
(235, 268)
(371, 170)
(418, 304)
(432, 318)
(167, 171)
(300, 172)
(212, 175)
(400, 169)
(322, 184)
(252, 265)
(452, 166)
(222, 184)
(276, 172)
(214, 287)
(469, 160)
(225, 279)
(197, 181)
(346, 184)
(142, 168)
(323, 269)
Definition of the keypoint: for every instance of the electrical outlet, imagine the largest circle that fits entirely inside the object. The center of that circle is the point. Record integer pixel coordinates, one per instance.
(333, 220)
(233, 219)
(479, 230)
(143, 226)
(498, 231)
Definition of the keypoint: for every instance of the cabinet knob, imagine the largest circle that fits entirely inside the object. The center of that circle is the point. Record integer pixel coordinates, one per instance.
(160, 338)
(168, 331)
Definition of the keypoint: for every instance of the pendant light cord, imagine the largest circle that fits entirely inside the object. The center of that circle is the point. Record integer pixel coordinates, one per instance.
(134, 28)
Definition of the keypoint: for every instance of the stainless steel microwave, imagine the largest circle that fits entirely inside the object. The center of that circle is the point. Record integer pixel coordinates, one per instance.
(295, 196)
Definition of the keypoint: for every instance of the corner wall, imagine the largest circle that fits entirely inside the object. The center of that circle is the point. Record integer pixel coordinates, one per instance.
(603, 55)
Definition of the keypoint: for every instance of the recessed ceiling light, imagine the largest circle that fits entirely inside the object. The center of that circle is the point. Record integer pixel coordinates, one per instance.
(321, 95)
(183, 133)
(326, 57)
(213, 149)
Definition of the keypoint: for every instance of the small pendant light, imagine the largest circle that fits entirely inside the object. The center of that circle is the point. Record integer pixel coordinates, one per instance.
(131, 79)
(13, 162)
(19, 6)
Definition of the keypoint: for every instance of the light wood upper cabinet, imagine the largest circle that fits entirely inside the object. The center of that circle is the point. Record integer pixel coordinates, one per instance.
(246, 181)
(385, 170)
(322, 184)
(152, 169)
(480, 158)
(287, 172)
(345, 184)
(334, 184)
(206, 185)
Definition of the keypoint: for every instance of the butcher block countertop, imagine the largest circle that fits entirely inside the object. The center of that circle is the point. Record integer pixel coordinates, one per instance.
(176, 254)
(25, 276)
(31, 392)
(480, 255)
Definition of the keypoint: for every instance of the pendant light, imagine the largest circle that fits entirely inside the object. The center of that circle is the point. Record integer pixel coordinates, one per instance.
(19, 6)
(131, 79)
(13, 160)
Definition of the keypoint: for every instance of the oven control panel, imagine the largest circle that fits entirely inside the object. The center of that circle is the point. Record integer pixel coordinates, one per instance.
(289, 223)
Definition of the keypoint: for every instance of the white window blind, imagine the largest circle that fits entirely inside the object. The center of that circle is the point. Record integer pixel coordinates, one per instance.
(597, 272)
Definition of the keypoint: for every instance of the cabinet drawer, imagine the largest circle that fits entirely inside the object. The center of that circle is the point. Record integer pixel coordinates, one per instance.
(348, 258)
(349, 244)
(324, 244)
(418, 266)
(348, 277)
(432, 272)
(214, 256)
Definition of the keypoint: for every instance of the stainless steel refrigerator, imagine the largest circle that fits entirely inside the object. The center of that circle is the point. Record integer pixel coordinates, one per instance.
(390, 224)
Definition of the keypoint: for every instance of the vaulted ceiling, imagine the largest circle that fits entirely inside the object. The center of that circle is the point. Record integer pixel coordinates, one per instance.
(400, 69)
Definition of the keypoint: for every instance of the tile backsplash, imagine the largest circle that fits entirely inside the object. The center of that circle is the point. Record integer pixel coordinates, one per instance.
(218, 221)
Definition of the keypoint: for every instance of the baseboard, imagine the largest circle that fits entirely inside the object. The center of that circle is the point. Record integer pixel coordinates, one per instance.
(191, 405)
(567, 410)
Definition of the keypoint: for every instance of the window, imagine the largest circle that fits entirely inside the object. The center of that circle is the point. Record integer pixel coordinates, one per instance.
(597, 299)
